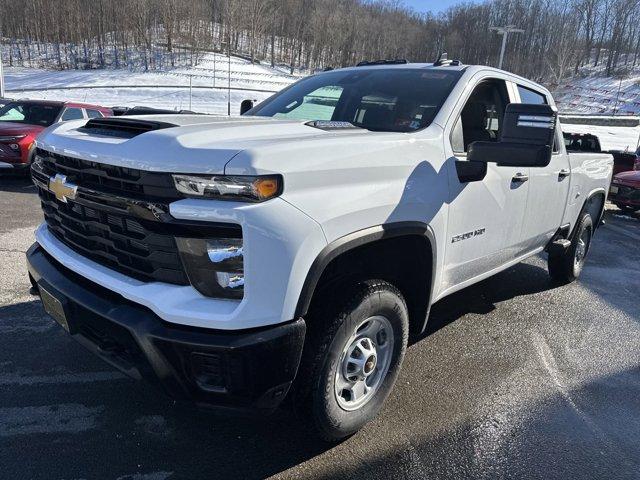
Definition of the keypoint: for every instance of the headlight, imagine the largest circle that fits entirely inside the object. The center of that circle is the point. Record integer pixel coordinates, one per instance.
(241, 188)
(215, 267)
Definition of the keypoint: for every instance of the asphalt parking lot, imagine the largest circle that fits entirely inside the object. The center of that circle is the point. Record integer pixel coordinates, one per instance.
(517, 378)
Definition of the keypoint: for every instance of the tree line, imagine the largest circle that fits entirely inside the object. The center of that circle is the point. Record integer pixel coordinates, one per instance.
(559, 37)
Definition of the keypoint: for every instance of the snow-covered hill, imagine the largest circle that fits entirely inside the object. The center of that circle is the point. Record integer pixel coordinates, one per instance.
(604, 95)
(162, 89)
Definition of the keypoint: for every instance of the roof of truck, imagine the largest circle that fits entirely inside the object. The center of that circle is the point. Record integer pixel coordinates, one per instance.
(470, 69)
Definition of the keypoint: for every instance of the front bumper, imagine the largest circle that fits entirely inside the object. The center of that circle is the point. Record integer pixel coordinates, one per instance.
(247, 369)
(6, 167)
(624, 195)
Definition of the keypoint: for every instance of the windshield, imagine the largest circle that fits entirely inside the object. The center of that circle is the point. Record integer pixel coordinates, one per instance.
(30, 113)
(386, 100)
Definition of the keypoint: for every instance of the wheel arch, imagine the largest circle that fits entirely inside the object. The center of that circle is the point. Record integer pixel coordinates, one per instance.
(594, 206)
(383, 238)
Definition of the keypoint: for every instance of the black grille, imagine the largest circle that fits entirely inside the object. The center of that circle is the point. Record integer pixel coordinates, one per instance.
(115, 240)
(111, 179)
(119, 217)
(208, 371)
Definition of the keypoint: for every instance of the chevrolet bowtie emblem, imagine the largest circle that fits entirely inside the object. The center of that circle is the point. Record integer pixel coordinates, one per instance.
(63, 190)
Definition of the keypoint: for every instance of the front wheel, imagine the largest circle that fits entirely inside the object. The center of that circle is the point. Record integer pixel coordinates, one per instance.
(352, 358)
(565, 266)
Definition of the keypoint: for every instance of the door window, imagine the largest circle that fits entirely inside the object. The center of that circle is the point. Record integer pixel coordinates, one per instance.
(481, 118)
(72, 114)
(529, 96)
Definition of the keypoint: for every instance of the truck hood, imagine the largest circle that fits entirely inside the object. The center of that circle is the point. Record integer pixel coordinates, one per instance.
(197, 144)
(12, 129)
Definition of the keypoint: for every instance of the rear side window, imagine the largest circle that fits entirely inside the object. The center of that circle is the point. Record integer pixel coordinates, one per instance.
(94, 113)
(529, 96)
(72, 114)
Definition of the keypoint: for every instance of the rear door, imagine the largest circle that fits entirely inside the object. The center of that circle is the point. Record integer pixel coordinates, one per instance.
(548, 186)
(485, 218)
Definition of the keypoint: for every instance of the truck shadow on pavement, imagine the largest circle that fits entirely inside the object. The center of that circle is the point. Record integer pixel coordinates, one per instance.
(481, 298)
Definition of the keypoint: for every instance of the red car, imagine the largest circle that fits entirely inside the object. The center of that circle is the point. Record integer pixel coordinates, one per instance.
(625, 190)
(22, 121)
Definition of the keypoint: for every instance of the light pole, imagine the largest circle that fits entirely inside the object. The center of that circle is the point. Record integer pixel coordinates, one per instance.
(228, 75)
(505, 31)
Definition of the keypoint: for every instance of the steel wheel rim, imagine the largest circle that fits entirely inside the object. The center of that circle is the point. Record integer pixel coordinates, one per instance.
(581, 249)
(364, 362)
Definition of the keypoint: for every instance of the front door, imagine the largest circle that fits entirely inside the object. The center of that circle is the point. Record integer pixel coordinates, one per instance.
(485, 218)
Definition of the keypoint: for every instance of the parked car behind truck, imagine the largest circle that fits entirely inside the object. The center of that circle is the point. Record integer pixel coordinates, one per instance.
(22, 121)
(294, 250)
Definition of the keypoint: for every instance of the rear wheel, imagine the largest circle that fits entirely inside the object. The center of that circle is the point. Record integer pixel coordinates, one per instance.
(352, 358)
(565, 266)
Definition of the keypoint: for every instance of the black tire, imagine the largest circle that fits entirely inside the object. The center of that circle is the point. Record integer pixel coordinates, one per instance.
(330, 329)
(566, 266)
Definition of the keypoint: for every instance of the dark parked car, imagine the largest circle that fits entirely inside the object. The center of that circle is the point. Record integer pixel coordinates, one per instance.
(625, 190)
(22, 121)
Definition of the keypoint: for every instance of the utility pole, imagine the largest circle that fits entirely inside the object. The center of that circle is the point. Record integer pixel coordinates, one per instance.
(615, 107)
(505, 31)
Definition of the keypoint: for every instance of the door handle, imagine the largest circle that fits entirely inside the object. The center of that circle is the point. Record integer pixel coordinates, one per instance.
(565, 172)
(520, 178)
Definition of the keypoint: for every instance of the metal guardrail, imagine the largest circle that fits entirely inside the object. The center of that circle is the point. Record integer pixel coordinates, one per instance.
(603, 120)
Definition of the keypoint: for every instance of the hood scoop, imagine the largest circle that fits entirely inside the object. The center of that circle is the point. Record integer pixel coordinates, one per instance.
(122, 127)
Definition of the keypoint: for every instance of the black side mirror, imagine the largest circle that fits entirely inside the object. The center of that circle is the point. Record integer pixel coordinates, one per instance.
(245, 106)
(526, 140)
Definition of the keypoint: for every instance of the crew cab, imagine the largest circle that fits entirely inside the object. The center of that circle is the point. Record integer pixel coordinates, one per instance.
(291, 252)
(22, 121)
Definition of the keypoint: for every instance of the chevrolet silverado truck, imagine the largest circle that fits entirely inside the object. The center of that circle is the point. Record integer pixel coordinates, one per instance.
(292, 251)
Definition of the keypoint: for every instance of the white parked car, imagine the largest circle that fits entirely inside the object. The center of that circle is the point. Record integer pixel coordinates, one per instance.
(294, 250)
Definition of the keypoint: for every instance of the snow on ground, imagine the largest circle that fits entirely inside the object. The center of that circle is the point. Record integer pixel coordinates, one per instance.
(161, 89)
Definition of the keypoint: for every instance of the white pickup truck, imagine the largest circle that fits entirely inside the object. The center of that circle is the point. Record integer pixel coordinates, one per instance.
(291, 252)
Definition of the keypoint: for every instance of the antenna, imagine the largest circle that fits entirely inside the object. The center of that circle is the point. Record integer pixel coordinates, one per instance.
(443, 61)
